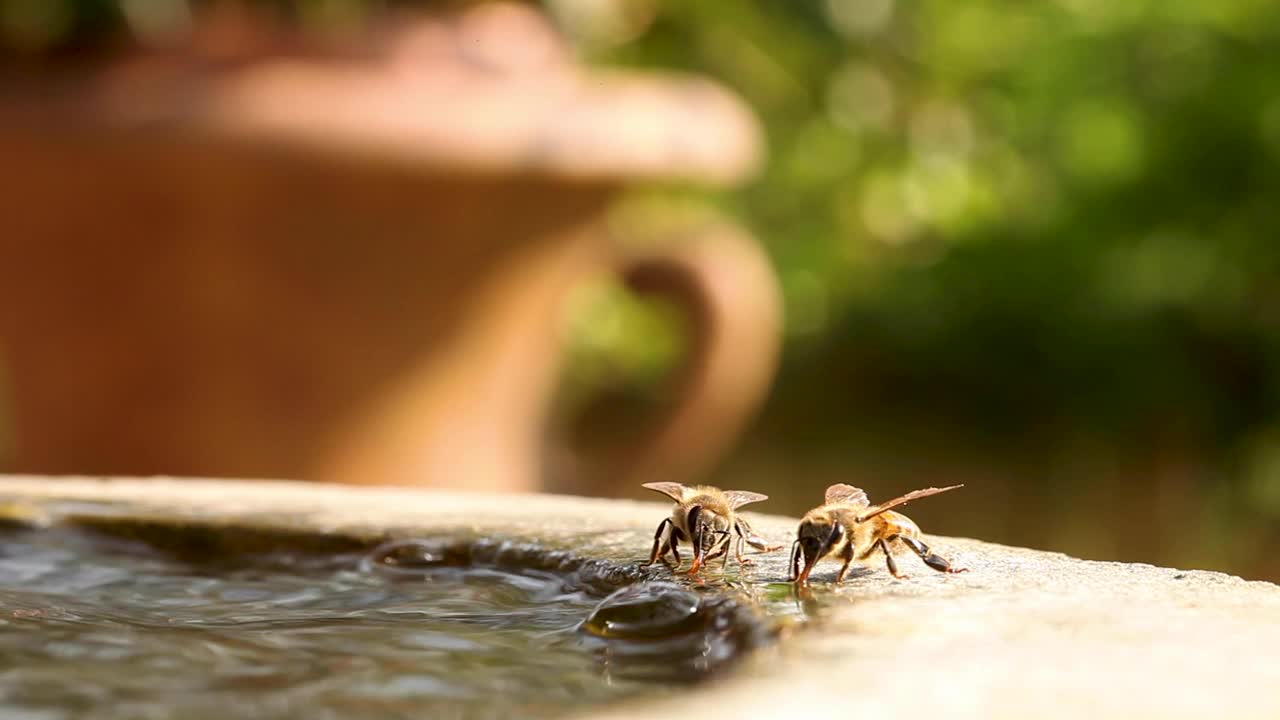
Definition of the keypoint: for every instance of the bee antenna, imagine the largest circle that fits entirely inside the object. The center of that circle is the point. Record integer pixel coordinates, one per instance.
(795, 560)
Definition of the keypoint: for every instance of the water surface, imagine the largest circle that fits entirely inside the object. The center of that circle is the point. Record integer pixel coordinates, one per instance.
(100, 626)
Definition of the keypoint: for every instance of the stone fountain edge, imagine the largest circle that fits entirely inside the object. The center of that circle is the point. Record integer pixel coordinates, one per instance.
(1023, 633)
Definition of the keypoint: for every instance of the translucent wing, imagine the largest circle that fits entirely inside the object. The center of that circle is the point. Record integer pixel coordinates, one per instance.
(675, 491)
(913, 495)
(841, 493)
(738, 498)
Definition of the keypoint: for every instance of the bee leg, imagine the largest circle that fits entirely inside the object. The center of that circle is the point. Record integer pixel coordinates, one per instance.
(661, 544)
(723, 541)
(888, 559)
(698, 537)
(761, 544)
(740, 539)
(726, 544)
(847, 556)
(720, 550)
(753, 539)
(736, 538)
(937, 562)
(735, 541)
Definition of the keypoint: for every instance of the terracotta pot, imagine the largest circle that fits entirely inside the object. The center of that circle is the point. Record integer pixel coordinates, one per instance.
(247, 258)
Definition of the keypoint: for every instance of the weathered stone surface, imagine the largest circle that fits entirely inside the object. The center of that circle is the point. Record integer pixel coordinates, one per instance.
(1023, 634)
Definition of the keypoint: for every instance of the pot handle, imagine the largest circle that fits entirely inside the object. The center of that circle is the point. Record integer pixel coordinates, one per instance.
(723, 283)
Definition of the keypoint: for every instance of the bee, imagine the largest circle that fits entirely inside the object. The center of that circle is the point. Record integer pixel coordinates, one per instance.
(849, 527)
(704, 517)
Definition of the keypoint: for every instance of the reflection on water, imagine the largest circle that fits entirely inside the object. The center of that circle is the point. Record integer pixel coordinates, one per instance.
(113, 628)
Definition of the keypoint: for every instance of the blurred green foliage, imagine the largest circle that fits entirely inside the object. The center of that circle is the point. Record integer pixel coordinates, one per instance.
(1018, 229)
(1016, 211)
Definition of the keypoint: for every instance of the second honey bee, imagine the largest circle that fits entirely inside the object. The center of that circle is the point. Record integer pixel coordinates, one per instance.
(848, 527)
(705, 517)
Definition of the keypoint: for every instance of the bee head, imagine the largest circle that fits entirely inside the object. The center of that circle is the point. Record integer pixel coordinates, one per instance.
(707, 524)
(815, 539)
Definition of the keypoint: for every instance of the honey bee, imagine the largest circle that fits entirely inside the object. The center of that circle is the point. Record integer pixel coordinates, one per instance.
(849, 527)
(704, 517)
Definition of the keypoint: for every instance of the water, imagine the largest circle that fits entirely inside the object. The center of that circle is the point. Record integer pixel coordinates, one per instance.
(100, 626)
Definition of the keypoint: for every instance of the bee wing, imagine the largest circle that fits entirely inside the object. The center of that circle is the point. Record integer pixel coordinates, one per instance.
(738, 498)
(841, 493)
(913, 495)
(675, 491)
